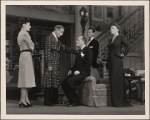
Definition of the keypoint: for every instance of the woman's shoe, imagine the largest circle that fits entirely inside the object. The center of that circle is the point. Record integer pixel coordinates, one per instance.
(23, 105)
(29, 104)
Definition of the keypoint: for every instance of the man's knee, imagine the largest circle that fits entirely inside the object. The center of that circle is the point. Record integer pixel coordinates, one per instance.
(71, 82)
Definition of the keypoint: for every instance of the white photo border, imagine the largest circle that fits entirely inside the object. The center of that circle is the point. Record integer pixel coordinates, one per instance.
(3, 59)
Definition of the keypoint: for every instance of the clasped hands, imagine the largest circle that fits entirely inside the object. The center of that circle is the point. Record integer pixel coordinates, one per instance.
(75, 72)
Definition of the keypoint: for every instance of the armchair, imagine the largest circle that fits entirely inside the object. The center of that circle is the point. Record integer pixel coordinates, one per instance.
(93, 94)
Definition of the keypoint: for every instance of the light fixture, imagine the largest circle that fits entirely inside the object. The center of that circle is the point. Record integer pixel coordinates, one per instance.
(84, 18)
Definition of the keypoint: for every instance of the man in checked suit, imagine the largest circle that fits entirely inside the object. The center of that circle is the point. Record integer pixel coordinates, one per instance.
(52, 66)
(93, 45)
(78, 72)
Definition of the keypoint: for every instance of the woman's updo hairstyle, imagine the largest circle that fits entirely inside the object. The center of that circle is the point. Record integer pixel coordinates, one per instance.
(118, 27)
(23, 21)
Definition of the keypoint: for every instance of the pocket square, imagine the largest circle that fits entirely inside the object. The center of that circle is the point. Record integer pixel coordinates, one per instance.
(91, 47)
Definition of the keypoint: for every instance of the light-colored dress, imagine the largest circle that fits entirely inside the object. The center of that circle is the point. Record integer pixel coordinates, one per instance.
(26, 78)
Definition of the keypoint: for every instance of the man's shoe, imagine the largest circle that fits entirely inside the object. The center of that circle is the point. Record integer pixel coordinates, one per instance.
(71, 104)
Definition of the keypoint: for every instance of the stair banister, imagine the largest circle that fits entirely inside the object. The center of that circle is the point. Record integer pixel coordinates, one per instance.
(130, 25)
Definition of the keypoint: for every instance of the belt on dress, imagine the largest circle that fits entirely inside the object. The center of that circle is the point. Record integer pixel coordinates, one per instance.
(25, 51)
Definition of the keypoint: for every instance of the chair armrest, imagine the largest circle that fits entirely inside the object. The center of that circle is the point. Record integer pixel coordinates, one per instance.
(90, 79)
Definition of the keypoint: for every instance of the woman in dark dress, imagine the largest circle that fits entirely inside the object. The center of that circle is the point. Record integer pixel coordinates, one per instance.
(115, 66)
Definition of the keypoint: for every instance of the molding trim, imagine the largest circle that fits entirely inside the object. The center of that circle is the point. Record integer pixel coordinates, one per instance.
(39, 14)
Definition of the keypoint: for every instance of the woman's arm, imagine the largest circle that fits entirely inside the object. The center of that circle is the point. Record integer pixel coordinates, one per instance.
(28, 40)
(127, 46)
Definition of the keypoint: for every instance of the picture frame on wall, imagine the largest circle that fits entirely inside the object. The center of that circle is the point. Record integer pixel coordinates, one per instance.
(110, 12)
(97, 13)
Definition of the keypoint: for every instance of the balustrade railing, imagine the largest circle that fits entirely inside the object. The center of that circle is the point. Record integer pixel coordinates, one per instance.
(132, 27)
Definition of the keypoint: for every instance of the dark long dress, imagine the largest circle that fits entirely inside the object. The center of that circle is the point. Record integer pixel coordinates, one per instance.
(115, 66)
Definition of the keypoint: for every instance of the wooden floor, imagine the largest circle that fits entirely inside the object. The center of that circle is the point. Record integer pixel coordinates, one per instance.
(60, 109)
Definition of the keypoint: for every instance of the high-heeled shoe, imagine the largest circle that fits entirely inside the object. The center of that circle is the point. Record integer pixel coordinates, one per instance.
(21, 104)
(29, 104)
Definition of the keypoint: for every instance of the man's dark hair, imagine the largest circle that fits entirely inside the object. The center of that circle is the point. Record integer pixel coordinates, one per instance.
(92, 28)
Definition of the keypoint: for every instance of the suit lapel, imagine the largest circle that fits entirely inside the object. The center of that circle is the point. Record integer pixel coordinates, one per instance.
(54, 39)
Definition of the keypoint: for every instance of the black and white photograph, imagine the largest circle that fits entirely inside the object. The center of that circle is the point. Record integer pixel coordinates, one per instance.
(75, 60)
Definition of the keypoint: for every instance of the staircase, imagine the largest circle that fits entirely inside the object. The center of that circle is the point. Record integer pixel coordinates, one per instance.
(132, 27)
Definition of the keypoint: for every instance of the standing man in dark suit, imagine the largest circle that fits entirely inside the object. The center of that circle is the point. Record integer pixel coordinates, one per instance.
(93, 45)
(78, 72)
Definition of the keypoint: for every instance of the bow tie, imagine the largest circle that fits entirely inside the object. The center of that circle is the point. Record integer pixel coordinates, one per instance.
(81, 50)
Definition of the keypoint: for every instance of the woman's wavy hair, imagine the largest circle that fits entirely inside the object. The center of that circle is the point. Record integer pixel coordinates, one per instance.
(23, 20)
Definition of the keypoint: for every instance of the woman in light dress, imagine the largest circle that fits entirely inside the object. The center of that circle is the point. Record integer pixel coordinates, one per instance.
(26, 78)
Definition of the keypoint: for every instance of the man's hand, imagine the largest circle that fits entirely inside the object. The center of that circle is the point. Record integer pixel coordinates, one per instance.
(69, 72)
(122, 55)
(76, 72)
(63, 47)
(50, 68)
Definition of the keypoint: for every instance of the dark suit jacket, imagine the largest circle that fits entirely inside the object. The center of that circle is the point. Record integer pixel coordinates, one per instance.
(83, 62)
(94, 46)
(119, 46)
(116, 48)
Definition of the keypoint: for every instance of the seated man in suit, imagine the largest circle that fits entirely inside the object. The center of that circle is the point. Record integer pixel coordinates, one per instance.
(78, 72)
